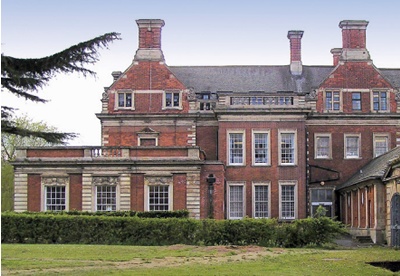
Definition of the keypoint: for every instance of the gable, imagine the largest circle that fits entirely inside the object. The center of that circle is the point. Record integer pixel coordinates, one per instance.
(147, 75)
(356, 75)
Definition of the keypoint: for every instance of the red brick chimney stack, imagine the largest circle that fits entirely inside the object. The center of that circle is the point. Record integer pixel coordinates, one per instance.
(354, 38)
(296, 67)
(149, 40)
(336, 52)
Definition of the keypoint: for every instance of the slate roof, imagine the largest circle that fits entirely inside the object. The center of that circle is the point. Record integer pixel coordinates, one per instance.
(250, 78)
(393, 75)
(375, 169)
(270, 79)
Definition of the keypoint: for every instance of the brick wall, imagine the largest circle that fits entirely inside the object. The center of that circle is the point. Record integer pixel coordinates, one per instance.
(34, 192)
(207, 140)
(346, 167)
(273, 173)
(55, 152)
(137, 192)
(75, 192)
(179, 191)
(126, 136)
(219, 191)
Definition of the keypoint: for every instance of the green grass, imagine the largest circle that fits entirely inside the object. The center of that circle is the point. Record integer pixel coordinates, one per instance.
(190, 260)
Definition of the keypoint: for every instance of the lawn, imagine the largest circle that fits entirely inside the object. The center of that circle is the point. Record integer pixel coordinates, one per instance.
(19, 259)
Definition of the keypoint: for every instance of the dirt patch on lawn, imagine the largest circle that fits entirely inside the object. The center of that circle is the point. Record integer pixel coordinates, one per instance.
(214, 255)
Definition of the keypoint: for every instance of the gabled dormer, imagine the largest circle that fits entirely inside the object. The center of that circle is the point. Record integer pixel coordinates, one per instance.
(147, 85)
(355, 85)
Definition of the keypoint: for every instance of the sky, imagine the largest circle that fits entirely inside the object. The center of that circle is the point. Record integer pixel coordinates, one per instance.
(206, 32)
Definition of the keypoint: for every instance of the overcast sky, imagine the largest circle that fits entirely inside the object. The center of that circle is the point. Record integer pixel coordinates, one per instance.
(206, 32)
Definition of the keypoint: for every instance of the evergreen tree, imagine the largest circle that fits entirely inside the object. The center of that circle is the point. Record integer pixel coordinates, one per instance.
(24, 77)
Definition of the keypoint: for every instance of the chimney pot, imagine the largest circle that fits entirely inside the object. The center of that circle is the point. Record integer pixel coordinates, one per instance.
(336, 52)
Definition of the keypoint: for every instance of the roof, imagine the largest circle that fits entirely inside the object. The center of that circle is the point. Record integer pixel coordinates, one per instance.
(270, 79)
(250, 78)
(375, 169)
(393, 75)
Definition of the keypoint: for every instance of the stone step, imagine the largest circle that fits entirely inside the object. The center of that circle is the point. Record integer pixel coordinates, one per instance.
(364, 239)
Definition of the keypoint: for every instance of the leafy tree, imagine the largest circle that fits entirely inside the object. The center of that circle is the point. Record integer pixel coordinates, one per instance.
(9, 143)
(24, 77)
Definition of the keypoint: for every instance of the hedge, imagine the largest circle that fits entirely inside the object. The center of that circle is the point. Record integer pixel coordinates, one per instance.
(147, 214)
(82, 229)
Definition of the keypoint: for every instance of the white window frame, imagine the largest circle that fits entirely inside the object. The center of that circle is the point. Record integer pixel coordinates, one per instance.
(340, 102)
(381, 135)
(288, 131)
(243, 186)
(124, 91)
(267, 132)
(164, 104)
(264, 184)
(380, 110)
(96, 187)
(54, 182)
(322, 135)
(243, 133)
(170, 196)
(106, 180)
(349, 135)
(288, 183)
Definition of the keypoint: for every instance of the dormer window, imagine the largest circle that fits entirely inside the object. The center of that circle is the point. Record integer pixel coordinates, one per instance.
(172, 99)
(124, 100)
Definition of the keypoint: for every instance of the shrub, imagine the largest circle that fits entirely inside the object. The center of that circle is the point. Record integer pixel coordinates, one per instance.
(133, 230)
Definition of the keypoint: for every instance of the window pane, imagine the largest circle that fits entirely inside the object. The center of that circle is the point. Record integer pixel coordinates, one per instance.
(168, 99)
(381, 145)
(287, 148)
(235, 201)
(352, 147)
(287, 202)
(328, 100)
(176, 99)
(121, 102)
(236, 148)
(260, 148)
(106, 198)
(159, 198)
(128, 100)
(55, 198)
(261, 201)
(356, 100)
(323, 150)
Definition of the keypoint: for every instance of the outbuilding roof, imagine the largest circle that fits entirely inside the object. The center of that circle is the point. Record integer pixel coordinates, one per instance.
(375, 169)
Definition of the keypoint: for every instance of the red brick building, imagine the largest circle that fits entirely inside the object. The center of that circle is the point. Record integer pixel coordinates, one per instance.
(223, 141)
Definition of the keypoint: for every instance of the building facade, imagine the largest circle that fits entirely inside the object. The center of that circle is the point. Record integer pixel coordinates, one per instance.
(223, 141)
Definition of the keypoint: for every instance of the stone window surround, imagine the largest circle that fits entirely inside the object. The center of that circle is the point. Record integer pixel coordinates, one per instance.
(54, 180)
(124, 91)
